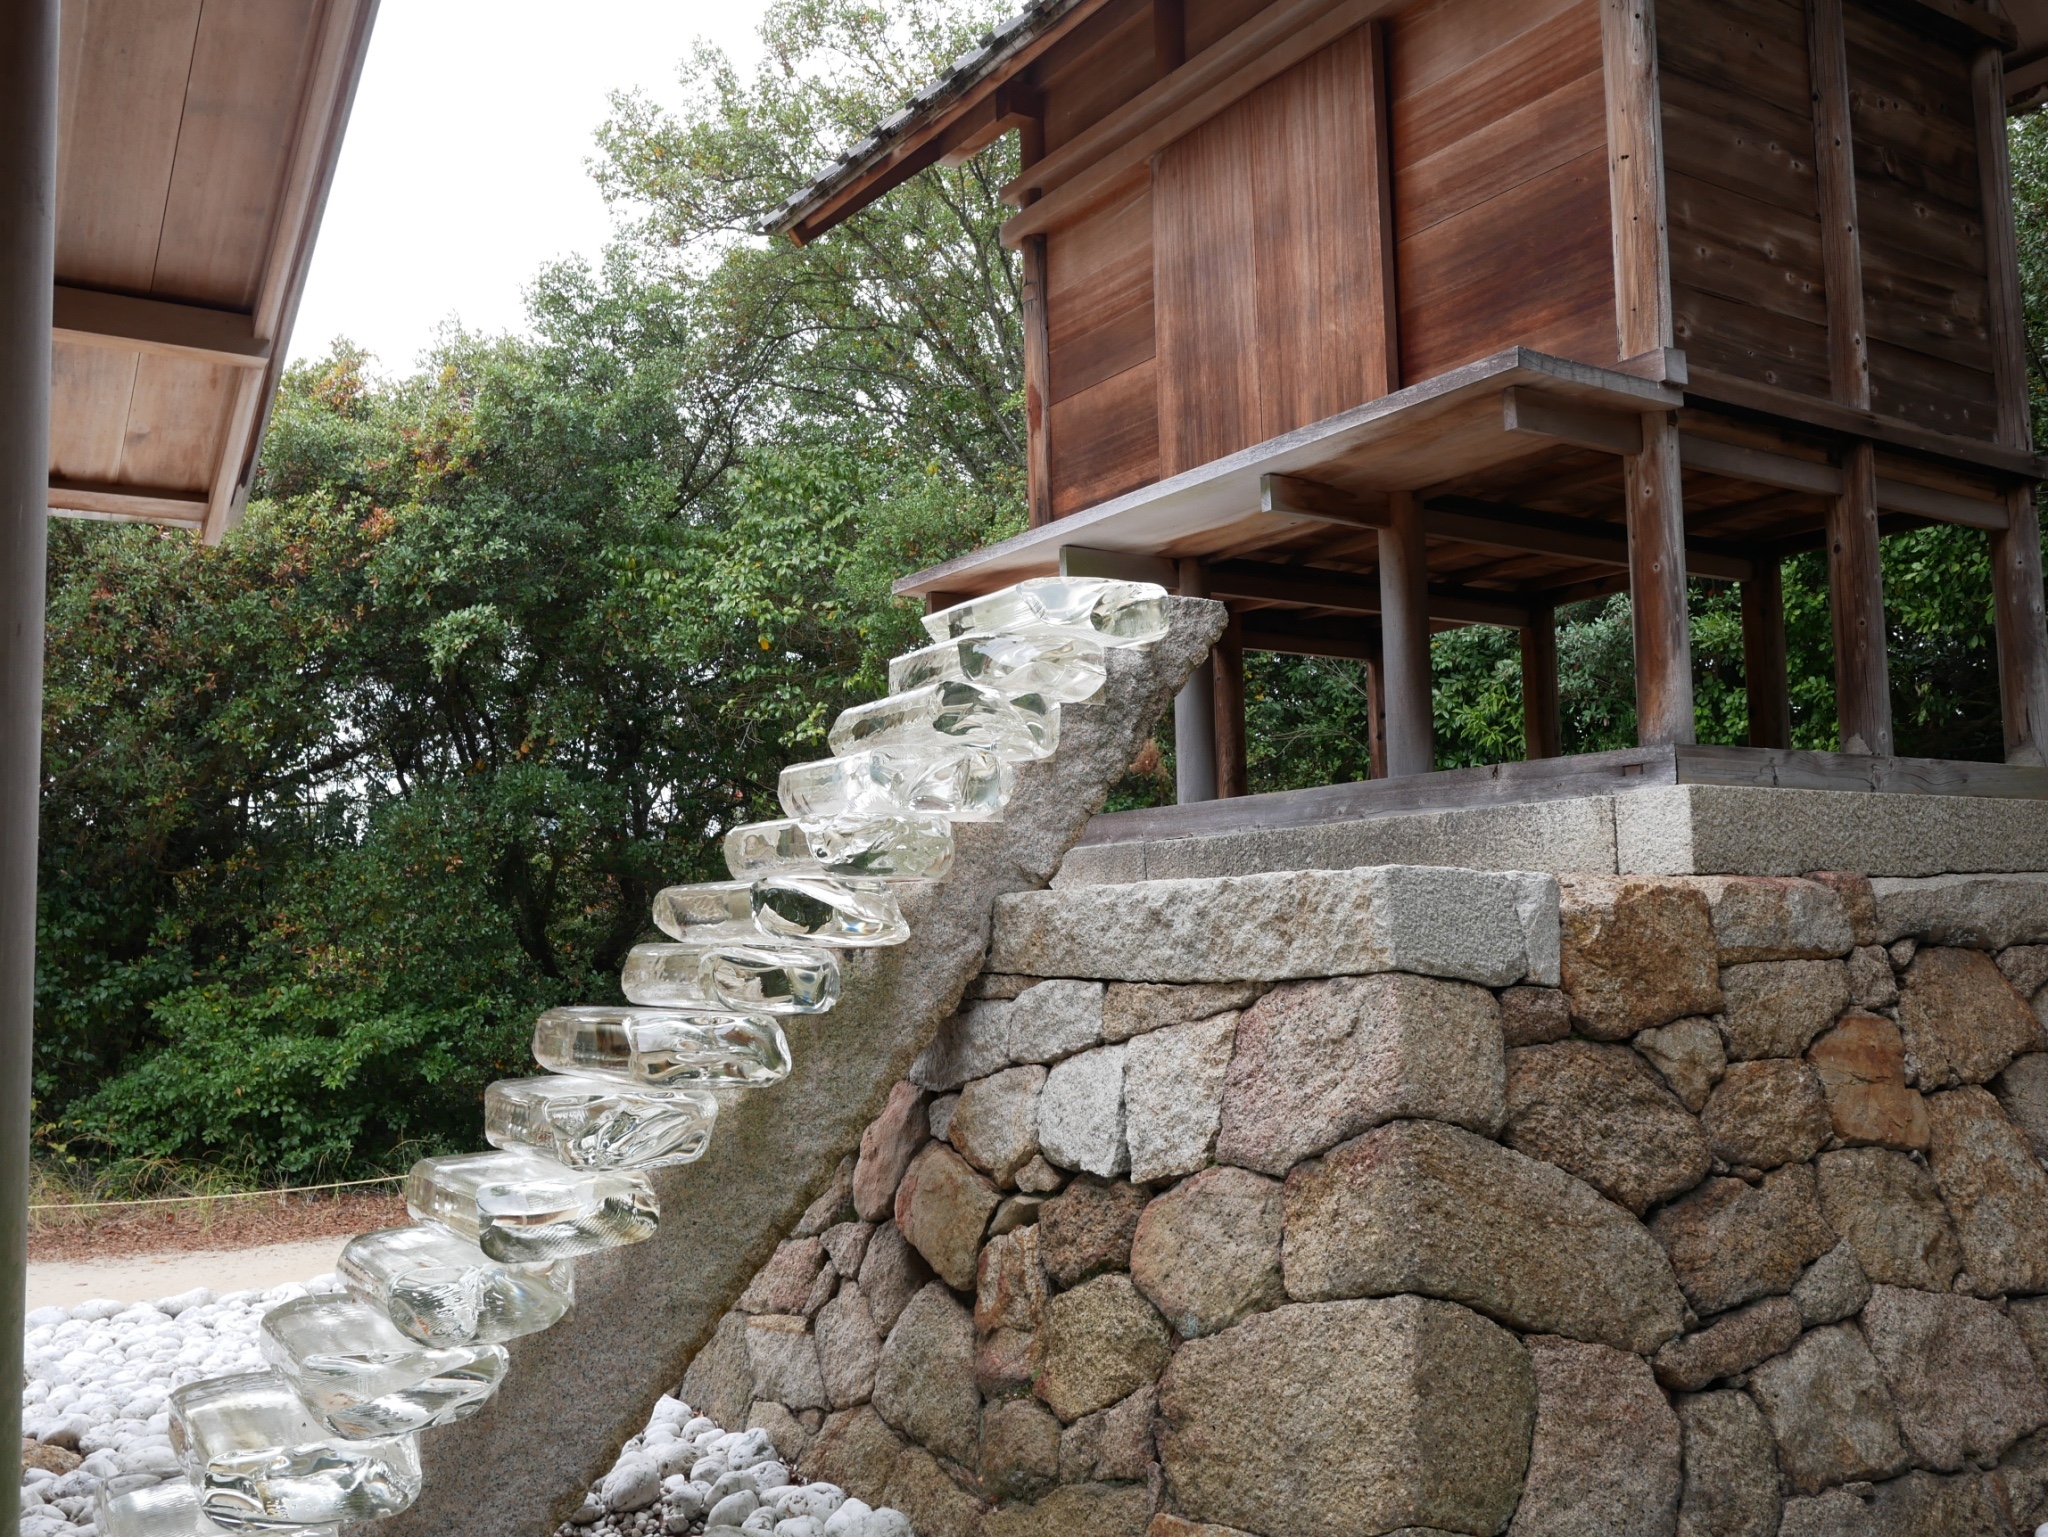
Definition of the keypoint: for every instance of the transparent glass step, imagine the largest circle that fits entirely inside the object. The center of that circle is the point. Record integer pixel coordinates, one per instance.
(586, 1122)
(940, 716)
(895, 848)
(260, 1459)
(1115, 613)
(754, 979)
(843, 911)
(443, 1290)
(1061, 666)
(364, 1379)
(171, 1509)
(962, 785)
(663, 1046)
(520, 1207)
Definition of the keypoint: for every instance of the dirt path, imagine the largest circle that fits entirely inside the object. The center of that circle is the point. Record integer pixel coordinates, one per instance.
(146, 1277)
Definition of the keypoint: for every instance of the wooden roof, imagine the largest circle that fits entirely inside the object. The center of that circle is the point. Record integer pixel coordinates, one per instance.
(196, 144)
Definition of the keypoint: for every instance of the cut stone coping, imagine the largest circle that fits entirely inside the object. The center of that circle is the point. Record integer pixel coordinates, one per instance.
(1490, 927)
(575, 1393)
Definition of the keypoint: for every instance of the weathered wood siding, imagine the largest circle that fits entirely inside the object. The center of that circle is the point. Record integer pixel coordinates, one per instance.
(1920, 206)
(1500, 182)
(1104, 416)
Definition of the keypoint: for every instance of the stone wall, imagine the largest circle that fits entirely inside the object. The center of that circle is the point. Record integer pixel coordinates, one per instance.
(1421, 1201)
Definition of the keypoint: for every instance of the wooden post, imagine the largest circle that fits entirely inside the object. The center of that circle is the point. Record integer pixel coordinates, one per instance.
(1376, 704)
(1841, 242)
(1232, 772)
(1404, 629)
(1194, 712)
(1542, 721)
(2015, 551)
(1635, 176)
(28, 226)
(1863, 696)
(1763, 656)
(1037, 347)
(1656, 580)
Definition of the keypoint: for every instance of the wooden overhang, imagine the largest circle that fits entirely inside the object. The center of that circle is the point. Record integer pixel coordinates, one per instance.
(1519, 458)
(196, 143)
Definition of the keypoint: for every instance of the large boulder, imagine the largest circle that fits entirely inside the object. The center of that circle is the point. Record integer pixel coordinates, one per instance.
(1961, 1019)
(1087, 1229)
(1207, 1253)
(1776, 1007)
(1732, 1242)
(1317, 1062)
(1419, 1207)
(1604, 1461)
(1960, 1375)
(1774, 918)
(1918, 1505)
(942, 1208)
(995, 1125)
(1427, 1425)
(1101, 1342)
(1731, 1468)
(1994, 1187)
(1173, 1096)
(1763, 1114)
(1829, 1411)
(1732, 1345)
(1055, 1019)
(1137, 1008)
(1081, 1112)
(1886, 1208)
(888, 1144)
(1862, 1067)
(1596, 1111)
(1635, 952)
(1078, 1510)
(924, 1382)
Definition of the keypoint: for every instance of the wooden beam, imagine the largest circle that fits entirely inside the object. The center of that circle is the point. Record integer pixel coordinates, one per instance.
(2016, 597)
(90, 319)
(1791, 473)
(1545, 416)
(1117, 151)
(1763, 657)
(1955, 21)
(1709, 385)
(2001, 252)
(1009, 106)
(128, 504)
(1169, 36)
(1351, 592)
(1404, 628)
(1863, 699)
(1521, 531)
(1635, 177)
(1656, 549)
(1265, 631)
(1232, 772)
(1291, 496)
(1037, 388)
(1119, 565)
(1542, 719)
(1841, 242)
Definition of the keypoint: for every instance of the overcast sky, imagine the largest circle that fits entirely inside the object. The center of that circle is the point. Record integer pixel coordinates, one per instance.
(464, 166)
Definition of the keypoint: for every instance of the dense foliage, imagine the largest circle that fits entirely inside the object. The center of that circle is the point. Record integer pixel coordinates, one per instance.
(333, 809)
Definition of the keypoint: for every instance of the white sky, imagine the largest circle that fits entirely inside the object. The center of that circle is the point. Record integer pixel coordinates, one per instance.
(464, 166)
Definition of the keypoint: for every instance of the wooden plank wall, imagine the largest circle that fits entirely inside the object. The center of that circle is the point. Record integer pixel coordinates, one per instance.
(1749, 294)
(1500, 182)
(1104, 416)
(1270, 307)
(1919, 204)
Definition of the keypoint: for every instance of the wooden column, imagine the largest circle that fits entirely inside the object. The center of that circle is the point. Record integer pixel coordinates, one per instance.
(1841, 243)
(1542, 722)
(1232, 773)
(1656, 579)
(28, 197)
(1635, 176)
(1376, 705)
(1763, 656)
(1863, 696)
(1194, 712)
(1037, 349)
(2016, 550)
(1404, 628)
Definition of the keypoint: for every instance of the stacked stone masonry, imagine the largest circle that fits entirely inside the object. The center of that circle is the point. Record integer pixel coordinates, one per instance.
(1406, 1202)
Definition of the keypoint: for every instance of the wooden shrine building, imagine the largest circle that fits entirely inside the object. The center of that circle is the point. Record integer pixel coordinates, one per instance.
(1371, 317)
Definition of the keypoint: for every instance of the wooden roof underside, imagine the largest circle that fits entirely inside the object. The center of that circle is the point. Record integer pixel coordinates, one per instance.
(197, 140)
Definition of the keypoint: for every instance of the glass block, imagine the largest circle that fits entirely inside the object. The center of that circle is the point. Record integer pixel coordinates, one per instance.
(943, 716)
(962, 785)
(707, 910)
(598, 1123)
(520, 1207)
(168, 1509)
(260, 1459)
(758, 979)
(444, 1290)
(845, 911)
(364, 1379)
(900, 848)
(663, 1046)
(1061, 666)
(1115, 613)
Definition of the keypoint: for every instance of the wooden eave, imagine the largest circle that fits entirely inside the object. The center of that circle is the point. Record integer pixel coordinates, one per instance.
(1517, 461)
(196, 144)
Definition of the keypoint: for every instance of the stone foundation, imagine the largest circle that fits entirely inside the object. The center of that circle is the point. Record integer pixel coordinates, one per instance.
(1426, 1201)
